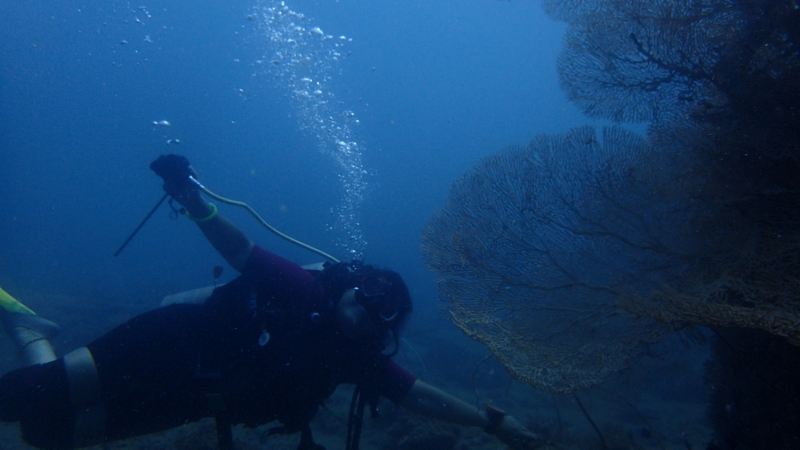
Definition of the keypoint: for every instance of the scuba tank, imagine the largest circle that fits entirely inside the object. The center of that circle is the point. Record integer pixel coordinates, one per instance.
(29, 332)
(200, 295)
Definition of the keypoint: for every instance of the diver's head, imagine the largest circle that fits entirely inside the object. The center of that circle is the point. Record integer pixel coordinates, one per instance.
(366, 301)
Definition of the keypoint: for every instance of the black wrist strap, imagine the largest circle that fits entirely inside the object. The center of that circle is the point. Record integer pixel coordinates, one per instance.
(495, 417)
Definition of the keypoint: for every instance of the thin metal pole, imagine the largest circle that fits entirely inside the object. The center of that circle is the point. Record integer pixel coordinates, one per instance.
(141, 224)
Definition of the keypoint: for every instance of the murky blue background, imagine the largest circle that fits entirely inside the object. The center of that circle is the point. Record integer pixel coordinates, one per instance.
(435, 85)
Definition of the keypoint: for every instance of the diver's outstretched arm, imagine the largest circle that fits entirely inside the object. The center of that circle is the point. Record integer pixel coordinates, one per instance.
(433, 402)
(226, 237)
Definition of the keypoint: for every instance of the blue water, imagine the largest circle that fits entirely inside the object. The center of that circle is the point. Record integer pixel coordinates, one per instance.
(411, 95)
(432, 85)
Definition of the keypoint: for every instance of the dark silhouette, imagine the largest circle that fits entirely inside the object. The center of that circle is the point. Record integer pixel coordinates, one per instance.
(753, 406)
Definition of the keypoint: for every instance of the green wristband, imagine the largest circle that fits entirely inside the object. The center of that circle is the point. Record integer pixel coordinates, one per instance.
(204, 219)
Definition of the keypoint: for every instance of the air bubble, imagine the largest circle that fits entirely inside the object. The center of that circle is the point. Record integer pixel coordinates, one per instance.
(300, 56)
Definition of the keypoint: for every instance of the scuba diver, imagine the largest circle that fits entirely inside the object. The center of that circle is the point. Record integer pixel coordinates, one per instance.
(271, 345)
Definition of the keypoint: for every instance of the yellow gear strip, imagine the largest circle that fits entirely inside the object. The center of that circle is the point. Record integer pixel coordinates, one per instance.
(10, 304)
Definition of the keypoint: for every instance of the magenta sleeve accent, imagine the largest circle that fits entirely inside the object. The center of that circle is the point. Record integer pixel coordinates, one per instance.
(262, 262)
(281, 275)
(398, 382)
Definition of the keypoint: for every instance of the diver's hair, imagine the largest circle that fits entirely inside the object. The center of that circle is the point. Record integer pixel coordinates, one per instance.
(338, 278)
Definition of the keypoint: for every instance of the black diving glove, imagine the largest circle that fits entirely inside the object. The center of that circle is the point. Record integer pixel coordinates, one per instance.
(172, 168)
(175, 171)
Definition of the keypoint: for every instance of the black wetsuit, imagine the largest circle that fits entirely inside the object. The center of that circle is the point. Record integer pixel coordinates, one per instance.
(249, 353)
